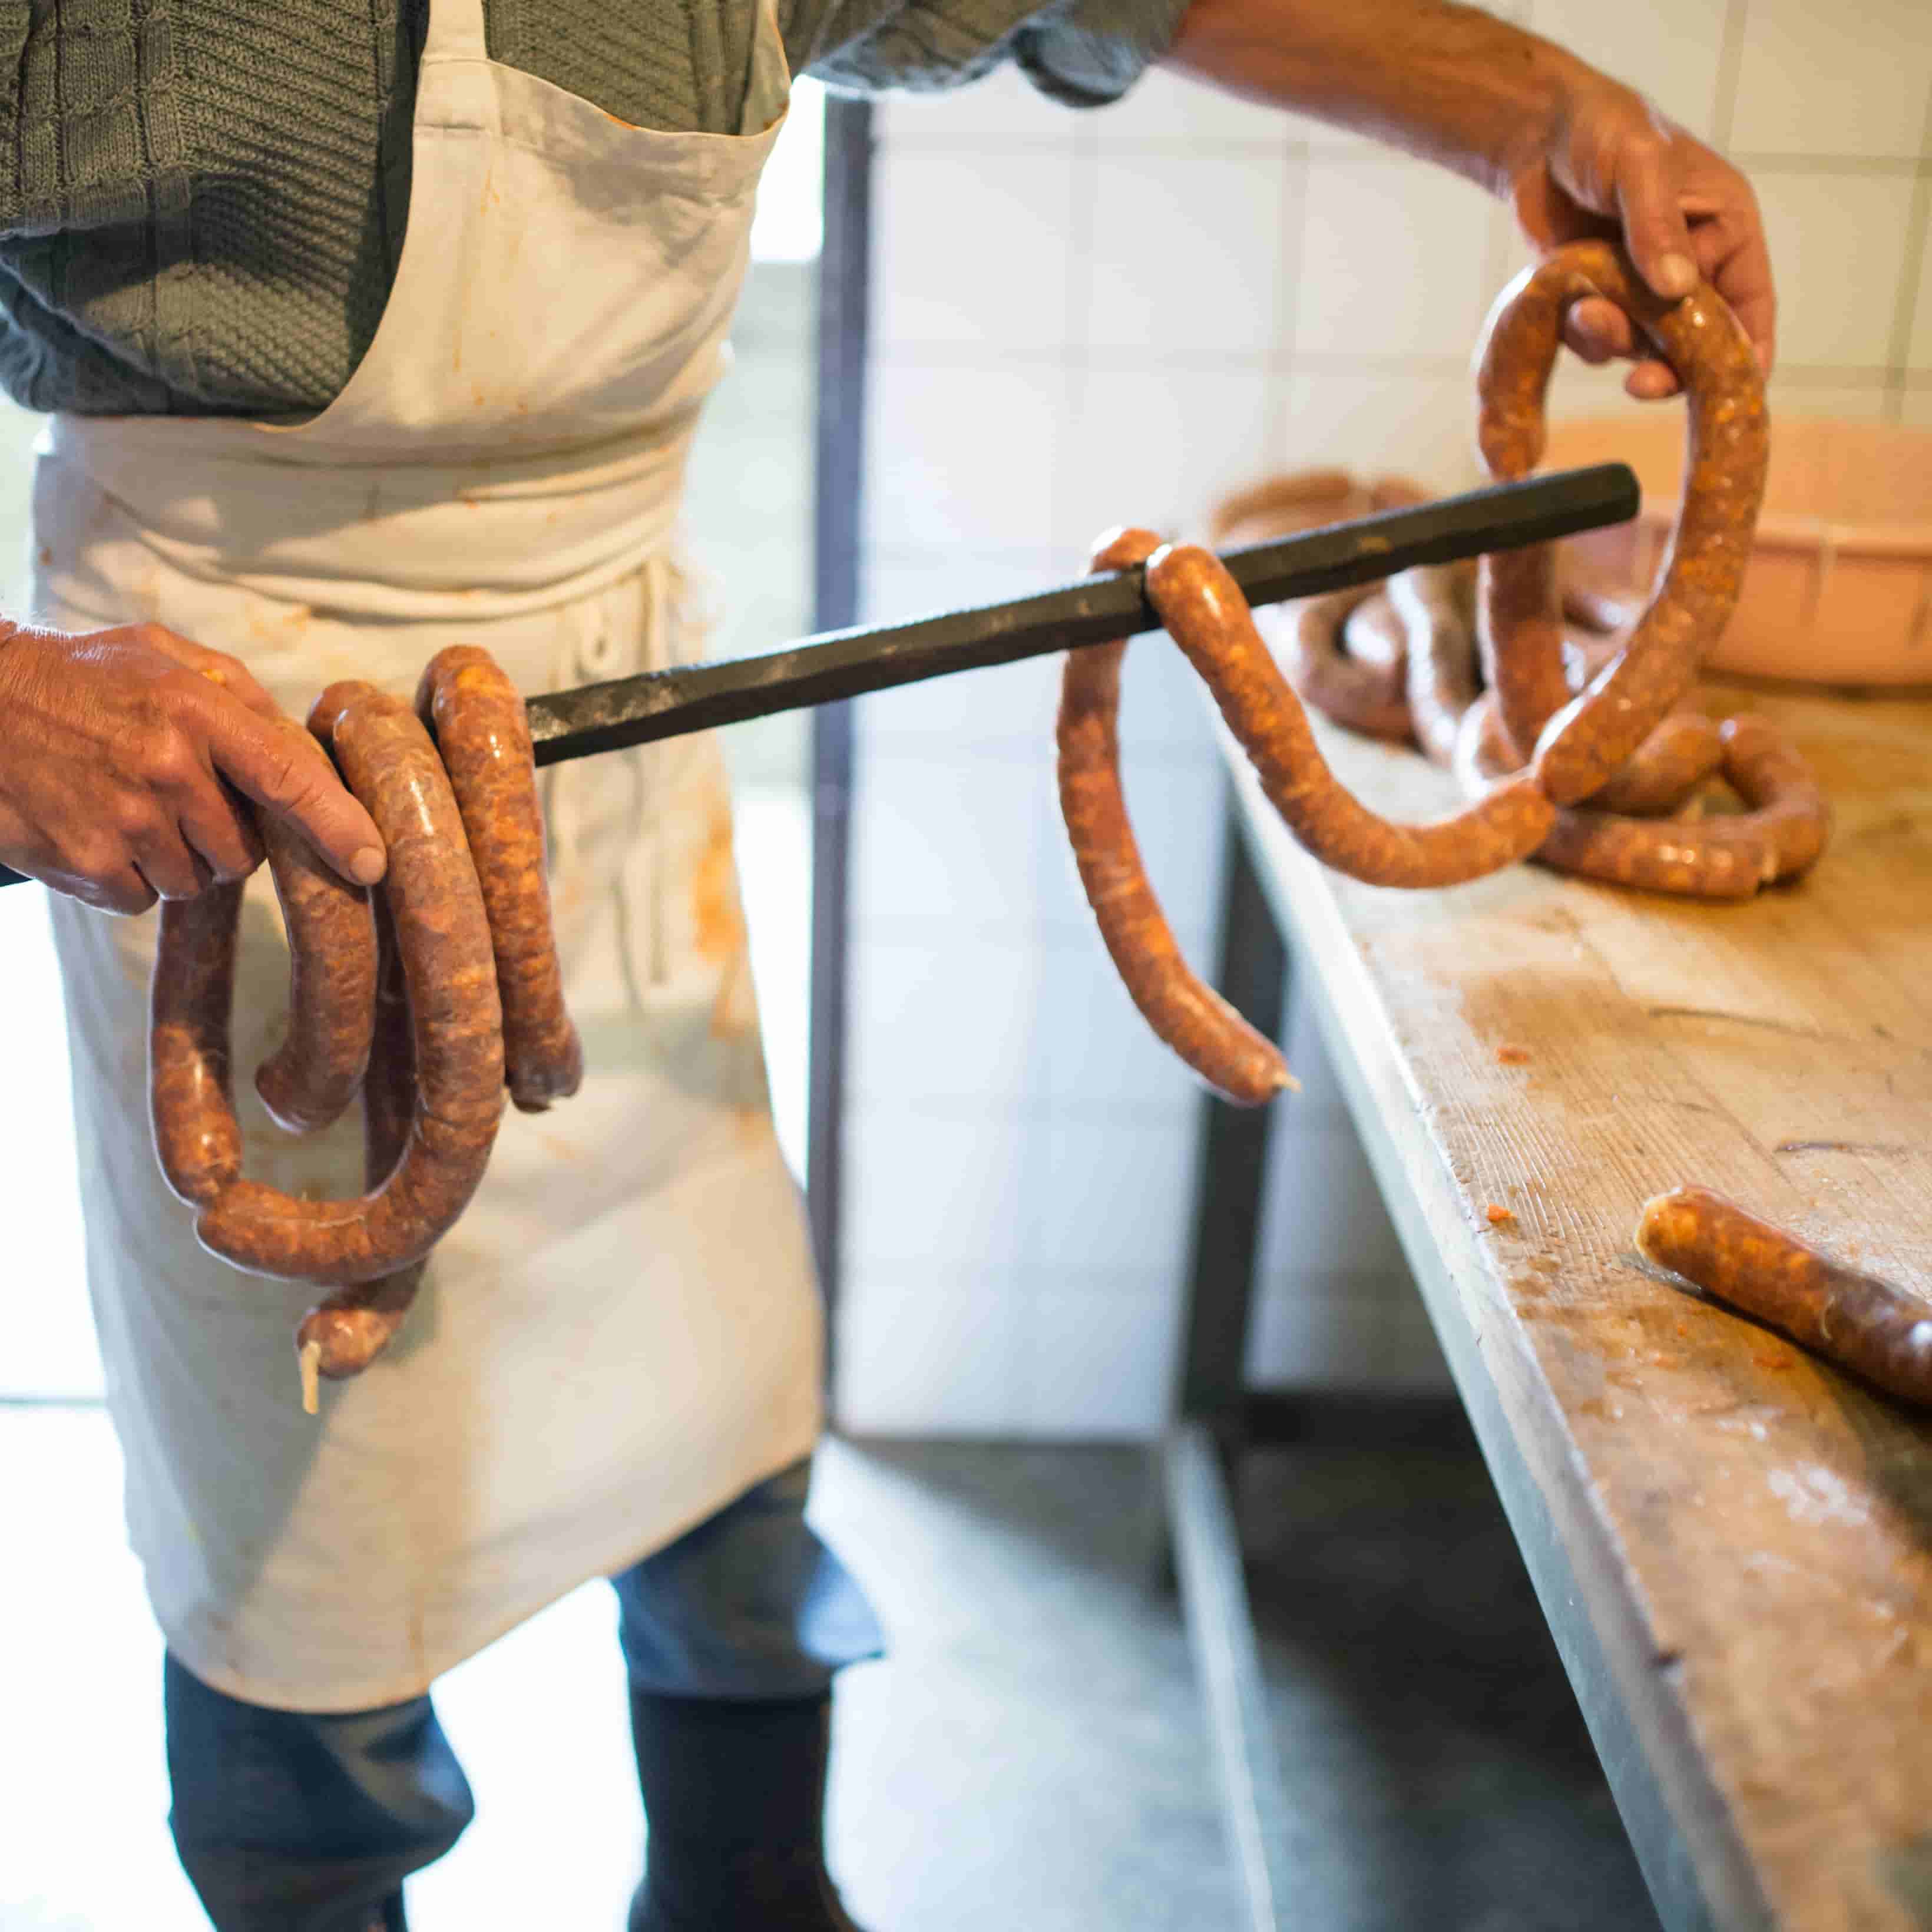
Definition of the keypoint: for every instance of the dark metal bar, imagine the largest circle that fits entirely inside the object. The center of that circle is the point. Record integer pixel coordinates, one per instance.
(847, 662)
(1261, 1830)
(844, 281)
(844, 664)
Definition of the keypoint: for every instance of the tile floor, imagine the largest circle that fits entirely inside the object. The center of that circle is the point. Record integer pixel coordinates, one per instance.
(1031, 1755)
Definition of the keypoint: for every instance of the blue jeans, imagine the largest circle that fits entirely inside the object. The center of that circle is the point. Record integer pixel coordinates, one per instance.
(288, 1822)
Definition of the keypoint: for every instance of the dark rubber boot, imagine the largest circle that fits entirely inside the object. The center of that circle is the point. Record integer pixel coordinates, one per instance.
(734, 1806)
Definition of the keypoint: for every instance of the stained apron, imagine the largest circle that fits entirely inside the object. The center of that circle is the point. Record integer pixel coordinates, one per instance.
(622, 1332)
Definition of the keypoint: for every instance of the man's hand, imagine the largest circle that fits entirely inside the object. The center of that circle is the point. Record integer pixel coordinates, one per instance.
(126, 756)
(1613, 165)
(1575, 152)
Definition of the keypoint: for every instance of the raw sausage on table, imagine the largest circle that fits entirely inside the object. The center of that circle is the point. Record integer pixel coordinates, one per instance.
(1576, 743)
(1440, 683)
(1191, 1017)
(1869, 1325)
(1728, 855)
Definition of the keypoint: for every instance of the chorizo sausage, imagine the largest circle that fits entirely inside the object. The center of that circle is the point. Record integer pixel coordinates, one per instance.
(1683, 751)
(1575, 743)
(1191, 1017)
(1870, 1325)
(1372, 635)
(1440, 679)
(483, 735)
(190, 997)
(1781, 831)
(1206, 615)
(1780, 788)
(1366, 697)
(443, 937)
(344, 1333)
(314, 1074)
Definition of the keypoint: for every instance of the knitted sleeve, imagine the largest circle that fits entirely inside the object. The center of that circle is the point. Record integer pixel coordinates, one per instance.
(1082, 52)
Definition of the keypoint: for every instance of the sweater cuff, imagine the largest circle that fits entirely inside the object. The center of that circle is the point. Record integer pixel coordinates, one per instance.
(1091, 53)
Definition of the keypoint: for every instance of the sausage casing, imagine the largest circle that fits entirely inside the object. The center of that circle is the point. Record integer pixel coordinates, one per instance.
(1871, 1325)
(443, 937)
(1207, 616)
(1193, 1019)
(483, 735)
(314, 1074)
(191, 996)
(1587, 738)
(348, 1329)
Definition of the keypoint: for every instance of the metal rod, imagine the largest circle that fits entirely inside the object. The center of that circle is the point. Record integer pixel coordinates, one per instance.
(846, 663)
(627, 711)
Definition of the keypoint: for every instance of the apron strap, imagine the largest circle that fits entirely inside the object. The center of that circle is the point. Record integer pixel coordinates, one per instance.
(455, 31)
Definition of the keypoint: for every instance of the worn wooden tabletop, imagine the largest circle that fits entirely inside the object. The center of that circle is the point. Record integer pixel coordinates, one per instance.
(1749, 1529)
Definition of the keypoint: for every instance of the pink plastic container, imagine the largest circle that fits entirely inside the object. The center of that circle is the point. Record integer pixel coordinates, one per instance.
(1839, 587)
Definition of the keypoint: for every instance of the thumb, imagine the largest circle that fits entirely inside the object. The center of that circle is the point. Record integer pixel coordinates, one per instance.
(1655, 231)
(280, 766)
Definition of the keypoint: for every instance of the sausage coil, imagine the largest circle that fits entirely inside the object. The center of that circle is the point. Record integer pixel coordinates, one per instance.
(443, 938)
(1192, 1017)
(343, 1334)
(485, 737)
(1575, 743)
(314, 1074)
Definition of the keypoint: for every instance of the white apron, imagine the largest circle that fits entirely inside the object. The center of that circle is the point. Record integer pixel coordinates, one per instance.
(622, 1332)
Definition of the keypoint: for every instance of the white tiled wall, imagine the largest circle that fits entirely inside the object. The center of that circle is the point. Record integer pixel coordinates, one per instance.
(1084, 319)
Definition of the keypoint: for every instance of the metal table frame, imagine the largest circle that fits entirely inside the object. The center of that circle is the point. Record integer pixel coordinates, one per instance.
(1217, 1417)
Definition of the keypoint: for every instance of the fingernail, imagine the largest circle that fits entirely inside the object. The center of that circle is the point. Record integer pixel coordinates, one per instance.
(367, 865)
(1676, 275)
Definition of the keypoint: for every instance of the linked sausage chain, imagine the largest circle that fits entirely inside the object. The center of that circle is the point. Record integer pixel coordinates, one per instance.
(425, 997)
(1582, 746)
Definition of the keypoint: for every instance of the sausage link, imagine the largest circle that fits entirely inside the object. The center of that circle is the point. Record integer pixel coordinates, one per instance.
(443, 937)
(1715, 859)
(1600, 604)
(1441, 655)
(191, 996)
(1207, 616)
(1278, 505)
(1366, 697)
(1870, 1325)
(1586, 738)
(1781, 789)
(1192, 1017)
(1372, 635)
(485, 737)
(1677, 758)
(1781, 831)
(344, 1333)
(1520, 626)
(313, 1074)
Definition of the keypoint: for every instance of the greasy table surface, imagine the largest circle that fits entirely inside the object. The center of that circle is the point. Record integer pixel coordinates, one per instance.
(1749, 1529)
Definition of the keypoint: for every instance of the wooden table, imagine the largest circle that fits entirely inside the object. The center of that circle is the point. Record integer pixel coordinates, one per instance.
(1732, 1540)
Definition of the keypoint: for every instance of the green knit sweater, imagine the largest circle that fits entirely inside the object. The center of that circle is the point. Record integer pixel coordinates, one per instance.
(202, 202)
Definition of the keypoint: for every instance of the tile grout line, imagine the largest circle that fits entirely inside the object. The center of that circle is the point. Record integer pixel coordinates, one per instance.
(1919, 218)
(1290, 279)
(1730, 62)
